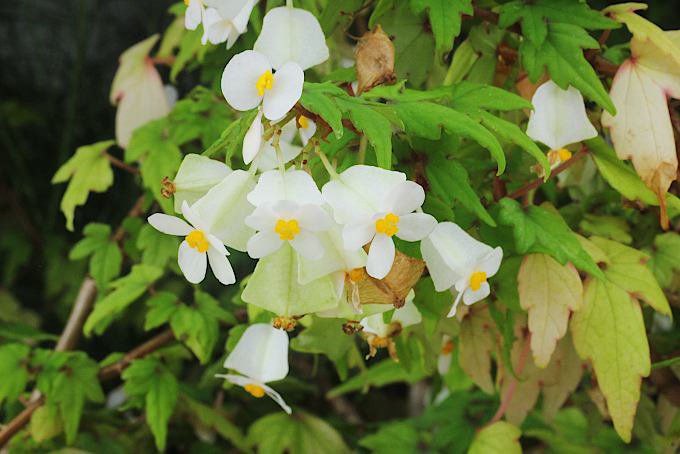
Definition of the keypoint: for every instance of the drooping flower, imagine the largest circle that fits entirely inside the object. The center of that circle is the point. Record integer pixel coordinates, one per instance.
(260, 356)
(295, 185)
(292, 35)
(262, 153)
(195, 177)
(457, 261)
(198, 248)
(287, 221)
(137, 90)
(248, 81)
(226, 20)
(193, 16)
(379, 334)
(559, 119)
(374, 205)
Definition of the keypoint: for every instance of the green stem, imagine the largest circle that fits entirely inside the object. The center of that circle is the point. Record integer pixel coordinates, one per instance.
(361, 157)
(326, 163)
(666, 362)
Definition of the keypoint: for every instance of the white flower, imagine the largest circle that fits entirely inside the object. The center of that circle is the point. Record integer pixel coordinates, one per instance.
(226, 20)
(445, 356)
(559, 117)
(456, 260)
(261, 356)
(375, 205)
(198, 243)
(193, 16)
(292, 35)
(295, 185)
(262, 153)
(406, 315)
(195, 177)
(287, 221)
(248, 81)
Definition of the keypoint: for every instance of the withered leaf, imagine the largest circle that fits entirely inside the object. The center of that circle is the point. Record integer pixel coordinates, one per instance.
(374, 59)
(393, 288)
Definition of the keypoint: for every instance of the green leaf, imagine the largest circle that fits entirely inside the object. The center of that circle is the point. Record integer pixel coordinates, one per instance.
(274, 286)
(450, 181)
(383, 373)
(75, 383)
(190, 48)
(400, 436)
(95, 235)
(204, 417)
(150, 379)
(426, 119)
(162, 307)
(325, 336)
(539, 230)
(157, 248)
(105, 256)
(87, 171)
(45, 423)
(375, 127)
(301, 433)
(627, 268)
(561, 53)
(163, 160)
(126, 290)
(13, 363)
(231, 139)
(482, 96)
(609, 330)
(499, 438)
(316, 98)
(445, 19)
(664, 262)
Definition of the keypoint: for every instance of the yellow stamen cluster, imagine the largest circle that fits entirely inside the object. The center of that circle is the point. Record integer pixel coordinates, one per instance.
(186, 2)
(303, 122)
(356, 275)
(265, 82)
(387, 225)
(477, 279)
(255, 390)
(564, 154)
(198, 240)
(287, 229)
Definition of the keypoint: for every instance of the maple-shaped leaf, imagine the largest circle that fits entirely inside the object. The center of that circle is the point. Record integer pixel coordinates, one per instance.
(499, 437)
(445, 19)
(535, 16)
(561, 54)
(549, 292)
(476, 342)
(641, 130)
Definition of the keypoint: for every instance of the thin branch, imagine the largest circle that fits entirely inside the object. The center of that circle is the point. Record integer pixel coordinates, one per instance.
(81, 309)
(136, 210)
(507, 398)
(150, 346)
(557, 170)
(121, 165)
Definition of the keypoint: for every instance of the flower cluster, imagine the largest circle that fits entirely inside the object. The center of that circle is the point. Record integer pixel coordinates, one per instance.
(318, 246)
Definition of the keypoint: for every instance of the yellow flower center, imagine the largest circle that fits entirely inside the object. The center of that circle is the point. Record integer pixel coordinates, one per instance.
(387, 225)
(564, 154)
(356, 275)
(287, 229)
(303, 122)
(186, 2)
(265, 82)
(477, 279)
(198, 240)
(255, 390)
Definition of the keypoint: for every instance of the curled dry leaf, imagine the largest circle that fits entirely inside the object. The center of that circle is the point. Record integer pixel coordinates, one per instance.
(374, 60)
(393, 288)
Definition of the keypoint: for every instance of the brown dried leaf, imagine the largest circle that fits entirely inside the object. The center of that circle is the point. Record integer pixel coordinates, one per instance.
(393, 288)
(374, 60)
(476, 342)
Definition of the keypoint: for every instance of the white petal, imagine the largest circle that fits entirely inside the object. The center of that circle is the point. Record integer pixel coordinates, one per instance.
(491, 262)
(264, 243)
(405, 198)
(443, 276)
(360, 192)
(192, 216)
(215, 29)
(471, 296)
(454, 308)
(240, 21)
(221, 267)
(192, 263)
(240, 77)
(374, 324)
(195, 177)
(444, 363)
(356, 235)
(228, 8)
(308, 132)
(288, 131)
(408, 314)
(193, 15)
(292, 34)
(380, 256)
(169, 224)
(238, 380)
(314, 218)
(459, 251)
(267, 160)
(224, 208)
(216, 244)
(559, 117)
(415, 226)
(336, 259)
(261, 353)
(263, 218)
(295, 185)
(277, 398)
(307, 245)
(253, 139)
(285, 92)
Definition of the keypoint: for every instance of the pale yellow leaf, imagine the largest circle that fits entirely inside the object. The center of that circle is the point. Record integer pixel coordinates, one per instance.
(570, 368)
(498, 438)
(477, 340)
(549, 292)
(609, 330)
